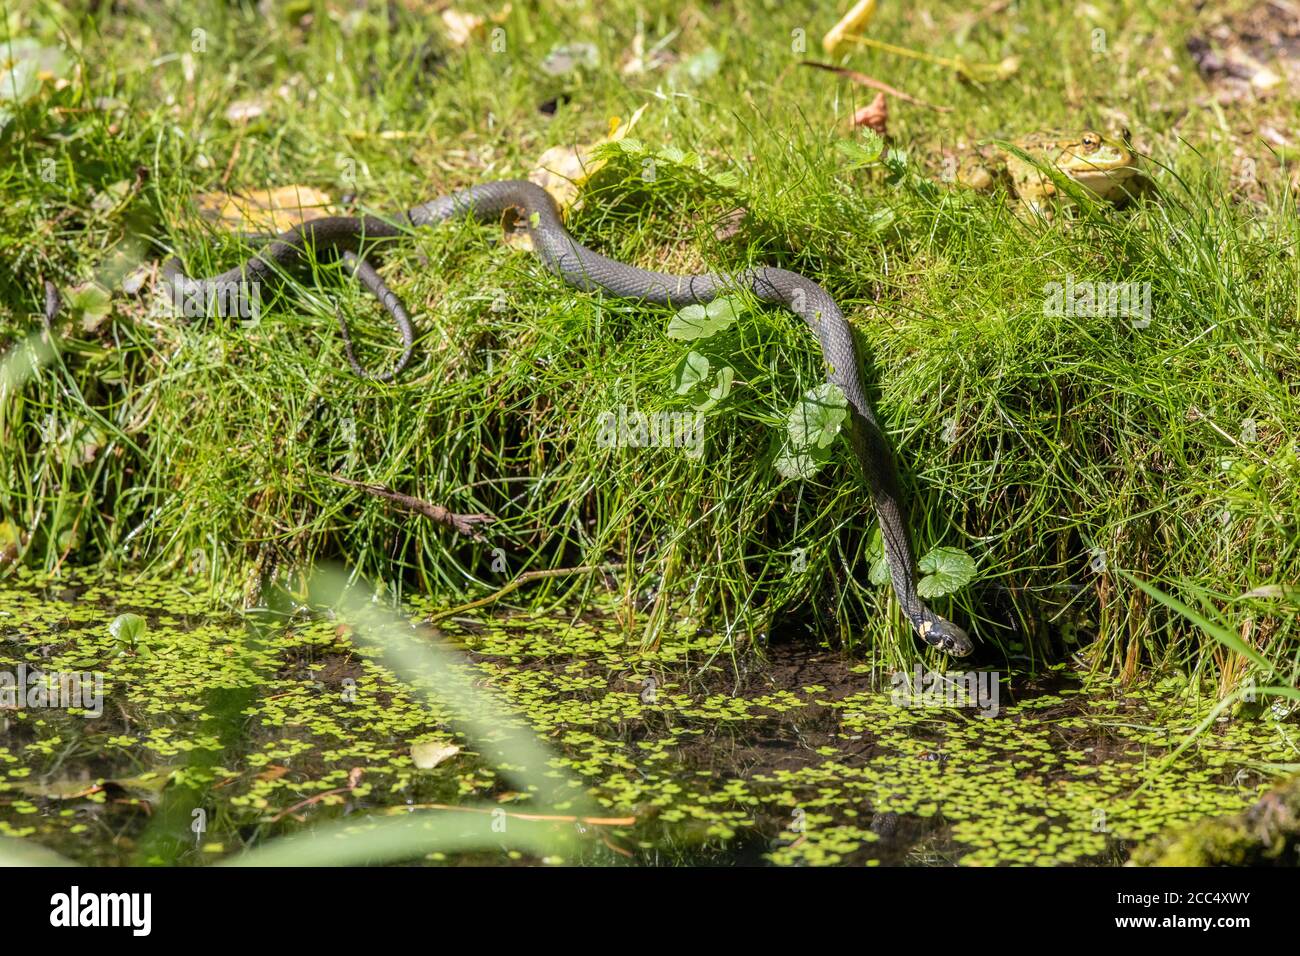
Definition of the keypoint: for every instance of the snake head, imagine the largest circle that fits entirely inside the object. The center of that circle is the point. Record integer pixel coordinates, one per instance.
(945, 635)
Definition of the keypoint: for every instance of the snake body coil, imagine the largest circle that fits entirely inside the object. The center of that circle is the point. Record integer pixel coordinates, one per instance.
(588, 270)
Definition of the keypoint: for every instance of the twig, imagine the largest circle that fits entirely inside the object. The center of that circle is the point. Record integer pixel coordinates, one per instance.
(518, 583)
(617, 849)
(995, 71)
(464, 524)
(234, 157)
(875, 84)
(354, 777)
(308, 802)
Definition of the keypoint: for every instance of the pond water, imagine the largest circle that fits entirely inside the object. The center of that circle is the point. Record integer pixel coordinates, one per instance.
(218, 731)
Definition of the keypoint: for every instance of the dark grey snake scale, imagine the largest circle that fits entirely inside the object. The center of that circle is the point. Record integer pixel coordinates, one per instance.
(590, 271)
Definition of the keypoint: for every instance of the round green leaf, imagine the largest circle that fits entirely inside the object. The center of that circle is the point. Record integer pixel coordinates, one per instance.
(704, 321)
(816, 420)
(690, 372)
(128, 628)
(801, 462)
(722, 387)
(946, 570)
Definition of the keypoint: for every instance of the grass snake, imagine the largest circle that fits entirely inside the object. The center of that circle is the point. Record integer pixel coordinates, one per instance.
(587, 270)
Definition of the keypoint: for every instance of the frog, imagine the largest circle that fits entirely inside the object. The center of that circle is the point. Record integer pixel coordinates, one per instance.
(1102, 164)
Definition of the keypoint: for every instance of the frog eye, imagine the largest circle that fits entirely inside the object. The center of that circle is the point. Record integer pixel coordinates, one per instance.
(1091, 141)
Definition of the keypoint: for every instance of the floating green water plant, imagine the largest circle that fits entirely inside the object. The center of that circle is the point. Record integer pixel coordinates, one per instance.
(671, 755)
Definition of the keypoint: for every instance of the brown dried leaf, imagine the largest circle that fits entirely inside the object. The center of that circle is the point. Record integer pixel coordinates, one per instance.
(730, 224)
(875, 115)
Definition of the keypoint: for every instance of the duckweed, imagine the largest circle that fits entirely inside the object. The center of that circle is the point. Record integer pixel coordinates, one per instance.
(272, 722)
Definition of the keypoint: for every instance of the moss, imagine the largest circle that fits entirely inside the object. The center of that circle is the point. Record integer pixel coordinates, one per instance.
(1266, 833)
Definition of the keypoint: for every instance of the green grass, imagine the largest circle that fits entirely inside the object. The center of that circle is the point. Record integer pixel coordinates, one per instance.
(1026, 439)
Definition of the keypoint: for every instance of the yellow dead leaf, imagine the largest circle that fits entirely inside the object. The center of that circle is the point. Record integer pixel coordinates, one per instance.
(563, 170)
(853, 22)
(265, 210)
(429, 753)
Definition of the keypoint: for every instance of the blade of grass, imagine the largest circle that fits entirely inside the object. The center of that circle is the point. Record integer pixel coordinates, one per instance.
(1217, 631)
